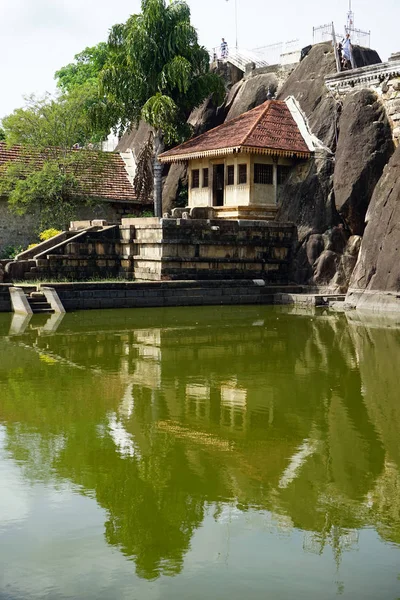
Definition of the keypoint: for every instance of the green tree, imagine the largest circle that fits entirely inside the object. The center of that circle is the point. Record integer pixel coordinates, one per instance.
(157, 71)
(82, 76)
(85, 68)
(2, 134)
(50, 178)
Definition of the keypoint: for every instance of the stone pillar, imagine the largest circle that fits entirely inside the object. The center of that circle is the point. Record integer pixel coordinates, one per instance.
(275, 180)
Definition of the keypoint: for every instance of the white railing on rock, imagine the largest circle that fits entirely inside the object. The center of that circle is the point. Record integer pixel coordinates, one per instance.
(240, 58)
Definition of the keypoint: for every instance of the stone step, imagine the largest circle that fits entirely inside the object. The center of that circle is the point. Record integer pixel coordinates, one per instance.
(38, 303)
(37, 299)
(35, 305)
(38, 311)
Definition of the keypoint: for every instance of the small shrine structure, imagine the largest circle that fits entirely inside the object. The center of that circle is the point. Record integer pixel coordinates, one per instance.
(238, 167)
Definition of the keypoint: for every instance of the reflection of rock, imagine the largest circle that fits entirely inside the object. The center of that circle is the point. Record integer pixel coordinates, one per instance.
(364, 147)
(377, 349)
(154, 450)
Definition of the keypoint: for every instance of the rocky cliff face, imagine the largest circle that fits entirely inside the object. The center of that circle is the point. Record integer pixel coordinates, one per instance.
(330, 201)
(364, 147)
(378, 267)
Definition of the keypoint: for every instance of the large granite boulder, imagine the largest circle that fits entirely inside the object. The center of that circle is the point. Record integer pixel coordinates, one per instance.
(307, 197)
(207, 116)
(307, 84)
(175, 181)
(364, 147)
(134, 138)
(363, 57)
(378, 266)
(250, 93)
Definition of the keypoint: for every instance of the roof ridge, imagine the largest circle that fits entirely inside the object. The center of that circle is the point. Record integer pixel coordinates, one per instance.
(263, 113)
(219, 127)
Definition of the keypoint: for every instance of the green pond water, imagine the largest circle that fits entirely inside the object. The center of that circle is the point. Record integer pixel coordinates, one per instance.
(225, 453)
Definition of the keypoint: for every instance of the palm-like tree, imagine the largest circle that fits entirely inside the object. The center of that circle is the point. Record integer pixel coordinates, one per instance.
(158, 72)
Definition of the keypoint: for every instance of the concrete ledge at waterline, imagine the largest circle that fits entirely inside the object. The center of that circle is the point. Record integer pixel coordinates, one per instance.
(53, 299)
(19, 301)
(373, 301)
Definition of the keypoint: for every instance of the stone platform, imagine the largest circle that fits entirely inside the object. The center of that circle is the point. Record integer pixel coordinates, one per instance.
(179, 249)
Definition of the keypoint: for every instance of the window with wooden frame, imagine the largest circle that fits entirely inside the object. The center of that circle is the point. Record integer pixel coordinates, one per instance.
(263, 174)
(242, 176)
(230, 177)
(205, 178)
(195, 178)
(283, 174)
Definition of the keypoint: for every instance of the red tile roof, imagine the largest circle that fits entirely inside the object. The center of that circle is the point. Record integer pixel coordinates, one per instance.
(108, 179)
(269, 128)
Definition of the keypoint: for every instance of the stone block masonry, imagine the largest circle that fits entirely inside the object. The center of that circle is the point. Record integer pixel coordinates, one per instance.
(85, 296)
(153, 249)
(5, 300)
(181, 249)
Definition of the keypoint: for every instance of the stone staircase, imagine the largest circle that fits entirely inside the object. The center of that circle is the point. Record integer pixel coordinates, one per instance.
(28, 301)
(38, 303)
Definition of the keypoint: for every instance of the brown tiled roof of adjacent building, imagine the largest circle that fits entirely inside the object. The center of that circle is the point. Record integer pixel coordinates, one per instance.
(268, 129)
(107, 179)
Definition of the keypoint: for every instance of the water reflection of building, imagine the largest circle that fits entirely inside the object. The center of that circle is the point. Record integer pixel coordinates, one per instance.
(184, 416)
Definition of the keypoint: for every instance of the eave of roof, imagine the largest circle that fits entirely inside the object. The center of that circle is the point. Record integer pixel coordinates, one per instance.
(236, 150)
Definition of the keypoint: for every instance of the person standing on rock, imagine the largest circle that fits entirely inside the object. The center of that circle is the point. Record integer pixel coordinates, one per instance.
(224, 49)
(346, 51)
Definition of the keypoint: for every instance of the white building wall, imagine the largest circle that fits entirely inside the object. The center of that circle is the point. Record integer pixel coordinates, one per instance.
(237, 194)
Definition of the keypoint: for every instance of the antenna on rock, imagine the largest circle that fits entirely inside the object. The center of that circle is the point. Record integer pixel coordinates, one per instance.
(350, 19)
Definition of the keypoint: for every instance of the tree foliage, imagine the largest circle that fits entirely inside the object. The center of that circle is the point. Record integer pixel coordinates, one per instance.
(50, 122)
(50, 178)
(2, 134)
(82, 76)
(85, 68)
(156, 70)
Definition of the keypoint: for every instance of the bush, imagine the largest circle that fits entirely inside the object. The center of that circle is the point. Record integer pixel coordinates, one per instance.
(47, 234)
(11, 251)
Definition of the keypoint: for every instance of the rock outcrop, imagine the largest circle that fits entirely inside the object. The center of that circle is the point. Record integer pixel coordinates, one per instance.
(378, 266)
(134, 138)
(307, 84)
(339, 188)
(251, 92)
(364, 147)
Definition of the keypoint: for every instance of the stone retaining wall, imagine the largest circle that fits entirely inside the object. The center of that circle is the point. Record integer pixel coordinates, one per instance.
(179, 249)
(80, 296)
(5, 302)
(85, 296)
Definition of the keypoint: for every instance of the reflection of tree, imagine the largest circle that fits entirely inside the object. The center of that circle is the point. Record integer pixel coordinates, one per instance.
(270, 417)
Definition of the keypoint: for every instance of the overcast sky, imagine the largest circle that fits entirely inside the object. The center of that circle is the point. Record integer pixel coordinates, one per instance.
(40, 36)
